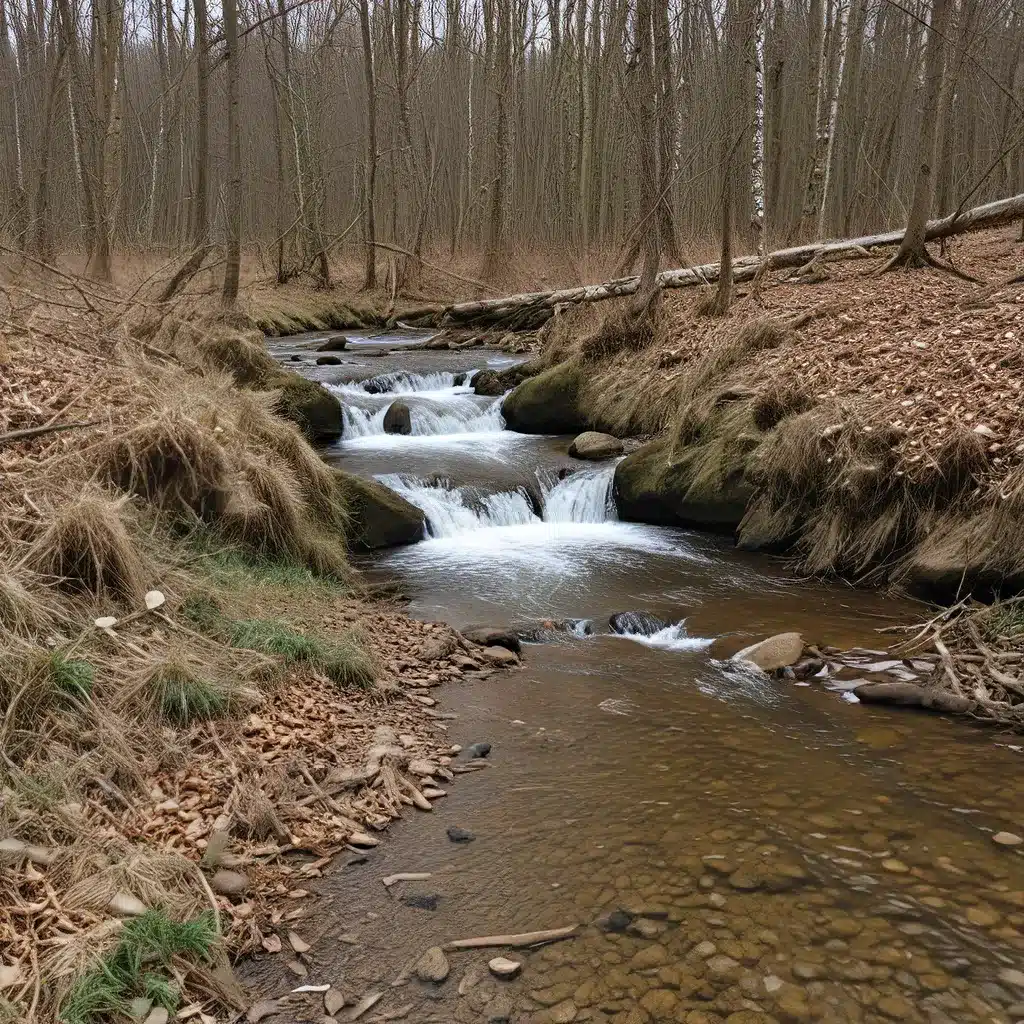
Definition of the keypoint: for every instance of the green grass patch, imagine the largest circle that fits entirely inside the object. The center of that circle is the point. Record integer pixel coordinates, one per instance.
(183, 697)
(230, 566)
(203, 613)
(344, 661)
(72, 677)
(139, 966)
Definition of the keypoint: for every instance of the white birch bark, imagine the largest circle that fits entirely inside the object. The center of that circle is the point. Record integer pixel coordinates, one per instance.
(833, 111)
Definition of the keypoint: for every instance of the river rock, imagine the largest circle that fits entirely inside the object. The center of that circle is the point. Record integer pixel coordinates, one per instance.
(549, 403)
(432, 966)
(295, 358)
(911, 695)
(499, 1009)
(654, 486)
(487, 383)
(328, 361)
(460, 835)
(307, 404)
(776, 652)
(421, 900)
(398, 419)
(477, 750)
(378, 517)
(335, 344)
(593, 445)
(502, 967)
(500, 657)
(642, 623)
(488, 636)
(379, 385)
(546, 629)
(616, 921)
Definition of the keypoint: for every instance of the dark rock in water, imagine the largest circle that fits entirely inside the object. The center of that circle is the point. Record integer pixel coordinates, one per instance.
(328, 361)
(910, 695)
(538, 632)
(421, 900)
(379, 385)
(336, 344)
(379, 518)
(459, 379)
(398, 419)
(306, 403)
(488, 636)
(460, 835)
(616, 921)
(642, 623)
(808, 667)
(486, 382)
(477, 750)
(566, 471)
(295, 358)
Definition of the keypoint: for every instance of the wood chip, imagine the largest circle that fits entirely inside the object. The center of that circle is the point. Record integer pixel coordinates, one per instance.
(405, 876)
(298, 943)
(334, 1000)
(364, 1004)
(297, 969)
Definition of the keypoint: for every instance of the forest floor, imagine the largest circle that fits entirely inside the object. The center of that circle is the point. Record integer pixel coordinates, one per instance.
(201, 701)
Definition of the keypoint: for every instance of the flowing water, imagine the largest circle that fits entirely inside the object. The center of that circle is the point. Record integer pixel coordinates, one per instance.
(781, 854)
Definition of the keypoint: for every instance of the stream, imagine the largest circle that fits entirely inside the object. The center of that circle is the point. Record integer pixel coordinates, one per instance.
(781, 853)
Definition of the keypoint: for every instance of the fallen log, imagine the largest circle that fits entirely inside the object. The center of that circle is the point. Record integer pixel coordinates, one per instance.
(533, 308)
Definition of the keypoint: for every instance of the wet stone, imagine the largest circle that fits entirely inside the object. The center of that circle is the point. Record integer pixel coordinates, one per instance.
(432, 966)
(421, 900)
(460, 835)
(649, 956)
(895, 1007)
(499, 1009)
(616, 921)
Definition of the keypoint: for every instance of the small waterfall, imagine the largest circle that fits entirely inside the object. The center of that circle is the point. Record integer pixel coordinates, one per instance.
(452, 511)
(459, 414)
(583, 497)
(400, 383)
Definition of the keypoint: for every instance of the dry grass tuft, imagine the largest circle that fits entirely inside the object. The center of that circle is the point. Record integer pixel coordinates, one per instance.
(89, 549)
(27, 606)
(172, 460)
(621, 331)
(777, 402)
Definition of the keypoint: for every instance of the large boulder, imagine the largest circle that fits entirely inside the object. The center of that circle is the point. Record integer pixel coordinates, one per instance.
(380, 384)
(398, 419)
(328, 361)
(380, 518)
(594, 445)
(548, 403)
(911, 695)
(307, 404)
(490, 636)
(779, 651)
(488, 383)
(654, 485)
(636, 623)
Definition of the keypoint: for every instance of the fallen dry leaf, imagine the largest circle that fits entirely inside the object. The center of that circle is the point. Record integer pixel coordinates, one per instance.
(272, 943)
(333, 1001)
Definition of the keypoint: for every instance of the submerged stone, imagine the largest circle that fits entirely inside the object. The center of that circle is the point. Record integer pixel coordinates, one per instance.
(779, 651)
(637, 623)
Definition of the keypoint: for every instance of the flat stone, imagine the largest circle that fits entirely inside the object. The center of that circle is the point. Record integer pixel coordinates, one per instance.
(895, 1007)
(503, 967)
(895, 866)
(646, 929)
(660, 1003)
(432, 966)
(563, 1013)
(1007, 839)
(779, 651)
(650, 956)
(705, 949)
(983, 917)
(477, 750)
(421, 900)
(460, 835)
(1011, 976)
(500, 657)
(721, 966)
(594, 445)
(499, 1009)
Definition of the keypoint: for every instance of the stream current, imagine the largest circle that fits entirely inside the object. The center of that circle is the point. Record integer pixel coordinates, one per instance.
(780, 853)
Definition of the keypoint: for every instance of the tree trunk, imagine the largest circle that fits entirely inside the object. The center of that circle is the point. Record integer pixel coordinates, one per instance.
(912, 248)
(648, 142)
(833, 111)
(494, 256)
(370, 162)
(233, 197)
(819, 145)
(201, 201)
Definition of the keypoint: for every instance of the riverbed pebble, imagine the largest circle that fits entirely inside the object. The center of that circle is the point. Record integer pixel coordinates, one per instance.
(503, 967)
(460, 835)
(432, 966)
(1007, 839)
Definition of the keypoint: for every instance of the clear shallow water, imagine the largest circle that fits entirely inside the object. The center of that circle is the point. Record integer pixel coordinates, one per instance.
(799, 858)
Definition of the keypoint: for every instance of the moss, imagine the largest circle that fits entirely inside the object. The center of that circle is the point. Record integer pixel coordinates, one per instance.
(549, 403)
(379, 518)
(307, 404)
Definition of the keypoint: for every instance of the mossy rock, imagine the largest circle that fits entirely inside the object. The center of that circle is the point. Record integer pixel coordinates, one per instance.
(652, 485)
(379, 518)
(312, 407)
(549, 403)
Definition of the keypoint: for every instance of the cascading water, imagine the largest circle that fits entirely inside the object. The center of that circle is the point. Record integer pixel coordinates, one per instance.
(437, 405)
(583, 497)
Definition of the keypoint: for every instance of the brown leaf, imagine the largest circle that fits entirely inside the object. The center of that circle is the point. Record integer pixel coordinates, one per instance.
(272, 943)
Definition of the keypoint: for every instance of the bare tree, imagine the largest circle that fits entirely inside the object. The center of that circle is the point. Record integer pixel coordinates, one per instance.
(233, 198)
(370, 163)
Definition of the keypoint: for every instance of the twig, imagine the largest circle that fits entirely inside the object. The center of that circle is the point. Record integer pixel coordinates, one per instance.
(18, 435)
(523, 939)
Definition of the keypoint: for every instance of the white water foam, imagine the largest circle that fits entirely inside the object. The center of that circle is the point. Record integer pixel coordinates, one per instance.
(671, 638)
(430, 417)
(439, 382)
(583, 497)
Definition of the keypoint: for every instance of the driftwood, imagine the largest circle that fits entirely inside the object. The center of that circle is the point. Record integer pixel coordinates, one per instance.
(52, 428)
(523, 939)
(532, 309)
